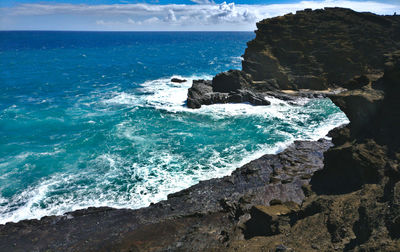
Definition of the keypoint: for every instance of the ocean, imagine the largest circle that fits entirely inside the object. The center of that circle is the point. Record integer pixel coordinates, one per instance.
(91, 119)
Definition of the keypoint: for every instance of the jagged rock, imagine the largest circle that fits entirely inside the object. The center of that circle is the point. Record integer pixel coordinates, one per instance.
(361, 155)
(320, 49)
(231, 81)
(202, 93)
(196, 93)
(201, 217)
(240, 96)
(357, 82)
(350, 103)
(177, 80)
(269, 220)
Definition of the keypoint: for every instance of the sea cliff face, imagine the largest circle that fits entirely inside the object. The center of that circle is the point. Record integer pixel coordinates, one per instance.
(307, 198)
(320, 49)
(317, 50)
(353, 202)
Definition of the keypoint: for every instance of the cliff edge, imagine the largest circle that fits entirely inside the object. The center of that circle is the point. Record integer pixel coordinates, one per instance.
(307, 198)
(320, 49)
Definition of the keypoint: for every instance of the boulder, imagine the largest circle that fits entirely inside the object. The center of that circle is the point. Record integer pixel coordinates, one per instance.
(202, 93)
(270, 220)
(231, 81)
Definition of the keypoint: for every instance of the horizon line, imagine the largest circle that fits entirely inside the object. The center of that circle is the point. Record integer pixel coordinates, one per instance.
(122, 31)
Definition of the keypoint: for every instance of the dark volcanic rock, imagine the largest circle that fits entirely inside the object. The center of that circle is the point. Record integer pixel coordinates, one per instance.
(320, 49)
(231, 81)
(202, 93)
(196, 94)
(364, 152)
(177, 80)
(353, 202)
(357, 82)
(202, 217)
(240, 95)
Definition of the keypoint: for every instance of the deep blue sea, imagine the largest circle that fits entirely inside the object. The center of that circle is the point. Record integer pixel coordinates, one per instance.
(92, 119)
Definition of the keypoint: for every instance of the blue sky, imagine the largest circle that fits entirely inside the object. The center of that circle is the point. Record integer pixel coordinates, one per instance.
(163, 15)
(163, 2)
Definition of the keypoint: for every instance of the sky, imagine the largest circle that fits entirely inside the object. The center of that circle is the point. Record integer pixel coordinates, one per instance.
(163, 15)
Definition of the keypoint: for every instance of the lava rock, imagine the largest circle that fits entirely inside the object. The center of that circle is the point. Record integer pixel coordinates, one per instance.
(231, 81)
(177, 80)
(320, 49)
(202, 93)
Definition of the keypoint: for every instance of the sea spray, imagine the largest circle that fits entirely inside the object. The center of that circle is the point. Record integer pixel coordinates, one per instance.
(111, 129)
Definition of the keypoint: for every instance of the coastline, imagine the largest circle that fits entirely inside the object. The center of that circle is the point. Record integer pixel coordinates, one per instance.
(275, 203)
(272, 177)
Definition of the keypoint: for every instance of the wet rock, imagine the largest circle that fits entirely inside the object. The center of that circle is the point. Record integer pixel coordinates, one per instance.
(205, 216)
(241, 96)
(202, 93)
(231, 81)
(196, 94)
(177, 80)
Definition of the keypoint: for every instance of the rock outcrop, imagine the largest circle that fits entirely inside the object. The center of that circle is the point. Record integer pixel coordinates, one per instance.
(282, 202)
(177, 80)
(353, 202)
(203, 217)
(231, 89)
(320, 49)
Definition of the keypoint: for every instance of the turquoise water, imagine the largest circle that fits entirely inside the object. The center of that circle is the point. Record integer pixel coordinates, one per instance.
(91, 119)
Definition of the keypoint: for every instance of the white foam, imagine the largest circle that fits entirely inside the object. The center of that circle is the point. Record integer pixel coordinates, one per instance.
(162, 173)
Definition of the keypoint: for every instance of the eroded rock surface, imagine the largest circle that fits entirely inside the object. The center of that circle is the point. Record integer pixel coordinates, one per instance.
(202, 217)
(203, 92)
(320, 49)
(353, 202)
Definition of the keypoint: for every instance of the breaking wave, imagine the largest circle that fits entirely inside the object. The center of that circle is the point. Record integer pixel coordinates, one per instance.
(153, 145)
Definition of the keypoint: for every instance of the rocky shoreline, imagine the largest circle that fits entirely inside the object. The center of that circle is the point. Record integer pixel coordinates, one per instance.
(310, 197)
(216, 205)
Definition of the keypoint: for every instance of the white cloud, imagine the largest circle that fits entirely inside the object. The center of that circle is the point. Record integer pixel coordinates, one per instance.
(205, 15)
(171, 16)
(202, 1)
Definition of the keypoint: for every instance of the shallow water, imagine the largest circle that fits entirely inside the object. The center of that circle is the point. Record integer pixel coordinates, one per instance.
(92, 119)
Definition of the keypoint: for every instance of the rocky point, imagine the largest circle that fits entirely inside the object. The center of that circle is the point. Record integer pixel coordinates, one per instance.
(314, 196)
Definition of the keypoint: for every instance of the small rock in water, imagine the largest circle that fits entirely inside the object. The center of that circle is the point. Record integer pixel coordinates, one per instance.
(177, 80)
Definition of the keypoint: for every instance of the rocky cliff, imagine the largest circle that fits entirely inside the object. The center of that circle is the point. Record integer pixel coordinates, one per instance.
(301, 199)
(317, 50)
(353, 203)
(320, 49)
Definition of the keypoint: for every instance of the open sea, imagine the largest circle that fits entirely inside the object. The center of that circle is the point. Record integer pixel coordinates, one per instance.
(92, 119)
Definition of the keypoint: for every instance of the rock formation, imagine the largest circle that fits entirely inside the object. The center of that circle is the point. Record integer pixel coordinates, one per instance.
(270, 204)
(353, 202)
(177, 80)
(320, 49)
(201, 217)
(227, 87)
